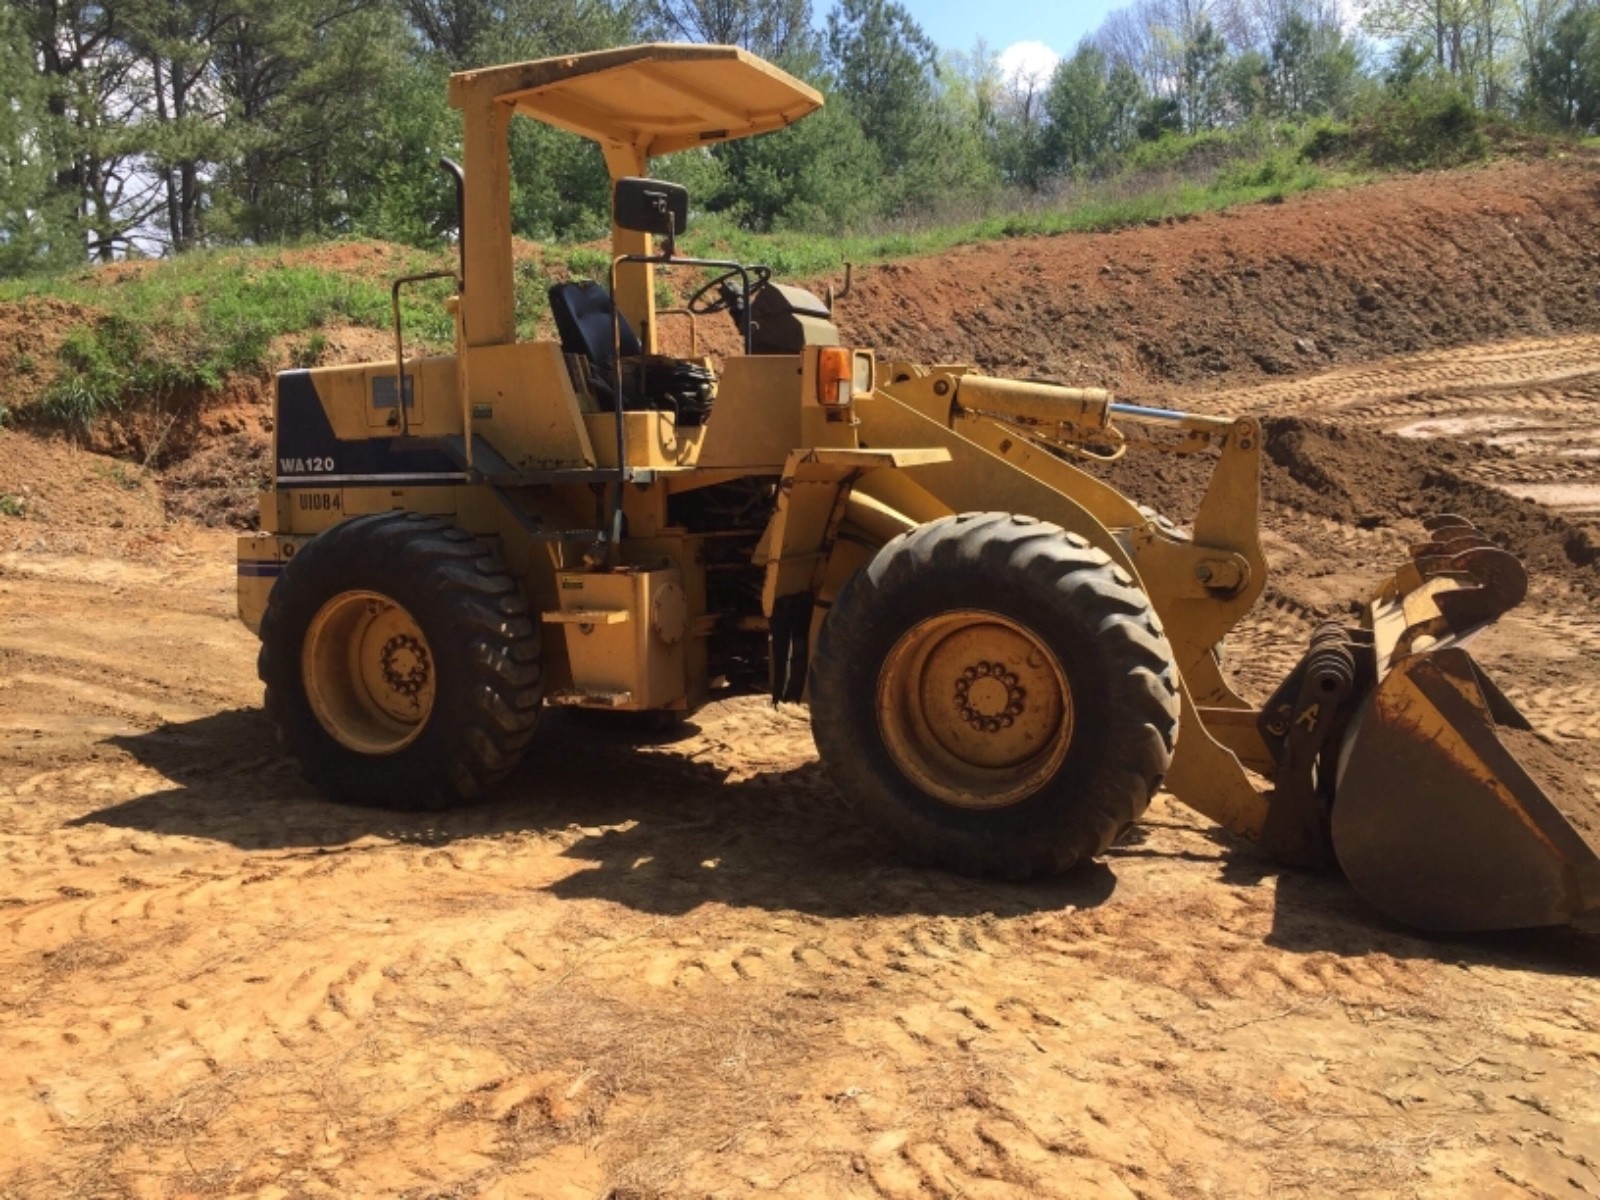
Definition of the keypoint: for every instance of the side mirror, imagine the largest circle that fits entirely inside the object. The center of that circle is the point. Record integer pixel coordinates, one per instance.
(651, 206)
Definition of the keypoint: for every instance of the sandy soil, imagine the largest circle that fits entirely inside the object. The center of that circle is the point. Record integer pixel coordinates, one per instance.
(681, 969)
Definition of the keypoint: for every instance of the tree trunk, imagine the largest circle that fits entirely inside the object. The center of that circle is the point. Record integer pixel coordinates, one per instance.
(188, 191)
(169, 185)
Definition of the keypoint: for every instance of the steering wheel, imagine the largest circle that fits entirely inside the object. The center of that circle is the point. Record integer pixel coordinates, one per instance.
(730, 291)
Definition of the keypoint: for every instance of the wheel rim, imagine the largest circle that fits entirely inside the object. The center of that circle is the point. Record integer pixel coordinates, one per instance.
(974, 709)
(368, 672)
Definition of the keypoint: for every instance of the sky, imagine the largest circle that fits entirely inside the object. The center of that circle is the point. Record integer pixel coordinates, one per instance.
(1034, 32)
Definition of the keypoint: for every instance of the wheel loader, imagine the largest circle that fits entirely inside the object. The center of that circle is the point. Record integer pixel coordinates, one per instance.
(1003, 656)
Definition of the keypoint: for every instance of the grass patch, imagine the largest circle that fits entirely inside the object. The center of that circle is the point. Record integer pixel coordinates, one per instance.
(1114, 205)
(120, 474)
(585, 262)
(187, 325)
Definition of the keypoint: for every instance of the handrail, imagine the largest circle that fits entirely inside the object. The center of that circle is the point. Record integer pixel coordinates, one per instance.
(399, 344)
(694, 325)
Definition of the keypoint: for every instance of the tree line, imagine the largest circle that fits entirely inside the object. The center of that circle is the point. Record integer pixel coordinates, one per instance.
(154, 126)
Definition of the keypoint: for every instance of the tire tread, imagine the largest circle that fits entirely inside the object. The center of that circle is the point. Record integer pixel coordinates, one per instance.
(493, 645)
(1105, 603)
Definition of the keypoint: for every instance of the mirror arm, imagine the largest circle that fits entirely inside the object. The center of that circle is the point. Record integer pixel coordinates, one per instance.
(453, 169)
(668, 229)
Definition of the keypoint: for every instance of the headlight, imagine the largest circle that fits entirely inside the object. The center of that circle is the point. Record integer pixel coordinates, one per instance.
(862, 374)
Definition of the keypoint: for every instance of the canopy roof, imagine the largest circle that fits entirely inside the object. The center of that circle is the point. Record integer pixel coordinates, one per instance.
(657, 98)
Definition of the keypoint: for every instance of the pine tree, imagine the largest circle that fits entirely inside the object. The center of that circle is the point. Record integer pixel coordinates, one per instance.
(883, 64)
(779, 30)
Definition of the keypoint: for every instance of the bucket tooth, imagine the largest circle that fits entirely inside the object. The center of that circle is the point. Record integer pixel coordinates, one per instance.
(1446, 521)
(1441, 556)
(1498, 584)
(1455, 583)
(1439, 553)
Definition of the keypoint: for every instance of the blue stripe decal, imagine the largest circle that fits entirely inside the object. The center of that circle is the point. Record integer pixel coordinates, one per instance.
(258, 569)
(307, 448)
(333, 482)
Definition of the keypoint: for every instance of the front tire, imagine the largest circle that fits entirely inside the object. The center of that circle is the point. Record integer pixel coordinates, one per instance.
(401, 662)
(994, 696)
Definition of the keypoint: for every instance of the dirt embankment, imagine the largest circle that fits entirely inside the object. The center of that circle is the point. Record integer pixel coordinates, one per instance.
(1330, 277)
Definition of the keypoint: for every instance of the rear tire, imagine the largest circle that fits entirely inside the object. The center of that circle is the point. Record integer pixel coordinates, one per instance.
(401, 662)
(995, 696)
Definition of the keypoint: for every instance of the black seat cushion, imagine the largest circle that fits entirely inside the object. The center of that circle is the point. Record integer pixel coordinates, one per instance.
(582, 309)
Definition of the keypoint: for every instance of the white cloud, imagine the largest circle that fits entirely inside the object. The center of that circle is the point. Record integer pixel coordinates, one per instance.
(1028, 62)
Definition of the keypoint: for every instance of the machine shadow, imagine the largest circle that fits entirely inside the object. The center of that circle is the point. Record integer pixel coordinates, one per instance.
(663, 832)
(1320, 912)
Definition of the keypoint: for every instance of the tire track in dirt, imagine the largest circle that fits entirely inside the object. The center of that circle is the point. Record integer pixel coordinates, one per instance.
(1525, 410)
(954, 1030)
(919, 991)
(1431, 384)
(1565, 711)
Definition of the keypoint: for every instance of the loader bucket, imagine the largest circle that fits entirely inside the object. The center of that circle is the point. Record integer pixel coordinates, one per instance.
(1447, 810)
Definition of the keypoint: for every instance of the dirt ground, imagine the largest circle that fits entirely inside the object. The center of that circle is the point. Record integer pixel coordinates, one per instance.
(681, 969)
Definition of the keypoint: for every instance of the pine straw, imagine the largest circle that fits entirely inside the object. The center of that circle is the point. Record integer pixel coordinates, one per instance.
(725, 1063)
(653, 1088)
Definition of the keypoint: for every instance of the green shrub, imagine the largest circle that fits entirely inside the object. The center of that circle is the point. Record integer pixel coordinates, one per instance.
(1206, 151)
(1429, 126)
(1326, 140)
(88, 380)
(586, 262)
(1278, 170)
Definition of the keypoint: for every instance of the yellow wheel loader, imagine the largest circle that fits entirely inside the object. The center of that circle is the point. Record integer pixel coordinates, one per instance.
(1004, 657)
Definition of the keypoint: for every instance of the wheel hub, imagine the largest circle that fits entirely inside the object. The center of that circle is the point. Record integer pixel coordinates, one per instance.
(974, 709)
(405, 664)
(989, 697)
(368, 672)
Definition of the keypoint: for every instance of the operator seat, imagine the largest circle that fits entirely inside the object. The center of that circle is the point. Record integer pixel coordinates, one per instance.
(583, 312)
